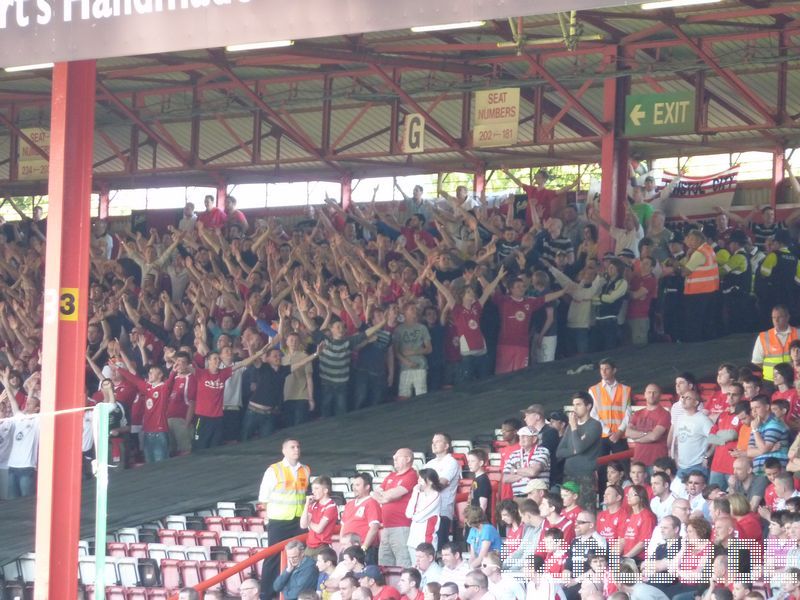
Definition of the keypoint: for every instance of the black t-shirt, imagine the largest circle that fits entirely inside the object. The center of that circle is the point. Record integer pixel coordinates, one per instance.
(481, 488)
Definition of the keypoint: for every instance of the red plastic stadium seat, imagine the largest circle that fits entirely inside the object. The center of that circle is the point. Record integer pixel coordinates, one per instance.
(137, 550)
(259, 564)
(117, 549)
(215, 523)
(392, 575)
(168, 537)
(190, 572)
(461, 458)
(233, 582)
(187, 537)
(157, 594)
(707, 387)
(137, 593)
(116, 592)
(170, 573)
(234, 523)
(208, 569)
(207, 538)
(255, 524)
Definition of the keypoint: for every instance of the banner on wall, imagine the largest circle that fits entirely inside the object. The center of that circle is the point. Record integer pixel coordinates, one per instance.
(697, 197)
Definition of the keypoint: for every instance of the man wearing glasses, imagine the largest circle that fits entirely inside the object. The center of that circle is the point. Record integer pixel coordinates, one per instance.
(449, 591)
(476, 586)
(586, 541)
(249, 589)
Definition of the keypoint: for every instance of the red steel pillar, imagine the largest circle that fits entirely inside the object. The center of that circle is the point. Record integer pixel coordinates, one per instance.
(778, 166)
(102, 207)
(222, 194)
(347, 192)
(479, 183)
(66, 289)
(613, 158)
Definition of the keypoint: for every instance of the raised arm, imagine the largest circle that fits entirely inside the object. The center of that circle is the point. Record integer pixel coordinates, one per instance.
(488, 290)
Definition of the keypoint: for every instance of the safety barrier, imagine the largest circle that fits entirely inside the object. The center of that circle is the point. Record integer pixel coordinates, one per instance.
(246, 564)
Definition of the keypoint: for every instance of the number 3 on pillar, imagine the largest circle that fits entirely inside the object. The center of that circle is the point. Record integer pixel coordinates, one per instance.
(68, 304)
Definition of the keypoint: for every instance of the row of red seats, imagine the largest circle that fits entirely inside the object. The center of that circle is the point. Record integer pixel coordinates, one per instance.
(235, 523)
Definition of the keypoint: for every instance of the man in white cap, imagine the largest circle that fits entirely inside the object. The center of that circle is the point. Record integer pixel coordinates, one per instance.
(535, 490)
(530, 461)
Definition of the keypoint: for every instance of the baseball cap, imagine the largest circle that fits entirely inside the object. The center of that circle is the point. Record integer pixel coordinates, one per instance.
(526, 431)
(535, 484)
(559, 415)
(571, 486)
(626, 253)
(609, 256)
(371, 571)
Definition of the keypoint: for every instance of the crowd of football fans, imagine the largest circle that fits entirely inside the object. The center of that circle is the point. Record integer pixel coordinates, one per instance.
(702, 503)
(209, 331)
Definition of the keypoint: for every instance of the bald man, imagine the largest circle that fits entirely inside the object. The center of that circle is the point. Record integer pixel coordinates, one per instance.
(393, 496)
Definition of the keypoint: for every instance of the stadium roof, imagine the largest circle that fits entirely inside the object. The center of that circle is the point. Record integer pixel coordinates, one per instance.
(330, 108)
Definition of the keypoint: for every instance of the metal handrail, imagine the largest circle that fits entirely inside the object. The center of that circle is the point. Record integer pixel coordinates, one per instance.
(245, 564)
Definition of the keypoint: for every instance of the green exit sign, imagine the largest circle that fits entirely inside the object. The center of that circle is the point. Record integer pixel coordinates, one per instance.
(659, 114)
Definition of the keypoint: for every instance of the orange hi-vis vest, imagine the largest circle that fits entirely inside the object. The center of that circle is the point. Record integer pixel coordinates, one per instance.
(611, 411)
(704, 279)
(774, 352)
(287, 500)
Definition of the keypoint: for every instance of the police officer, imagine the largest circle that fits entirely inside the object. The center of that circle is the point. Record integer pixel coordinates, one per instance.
(283, 490)
(736, 285)
(775, 282)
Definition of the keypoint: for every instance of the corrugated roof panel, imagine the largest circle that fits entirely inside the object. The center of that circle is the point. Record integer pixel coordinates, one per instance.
(376, 118)
(215, 139)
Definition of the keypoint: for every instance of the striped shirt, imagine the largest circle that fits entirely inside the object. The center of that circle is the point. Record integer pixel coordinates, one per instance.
(334, 360)
(772, 431)
(520, 459)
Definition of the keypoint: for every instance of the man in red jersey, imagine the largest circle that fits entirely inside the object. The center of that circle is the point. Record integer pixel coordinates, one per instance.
(648, 429)
(320, 514)
(362, 516)
(181, 403)
(611, 520)
(718, 402)
(210, 391)
(152, 408)
(516, 311)
(393, 496)
(724, 437)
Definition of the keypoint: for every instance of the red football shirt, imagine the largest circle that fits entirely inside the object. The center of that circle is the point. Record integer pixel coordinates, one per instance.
(515, 318)
(182, 394)
(611, 525)
(394, 512)
(210, 389)
(358, 514)
(647, 420)
(571, 514)
(153, 405)
(316, 512)
(468, 326)
(638, 528)
(723, 461)
(718, 403)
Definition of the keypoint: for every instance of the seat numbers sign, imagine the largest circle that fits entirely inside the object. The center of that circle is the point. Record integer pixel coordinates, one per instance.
(496, 118)
(659, 114)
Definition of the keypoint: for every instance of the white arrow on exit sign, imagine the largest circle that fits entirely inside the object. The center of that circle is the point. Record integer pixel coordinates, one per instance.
(637, 114)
